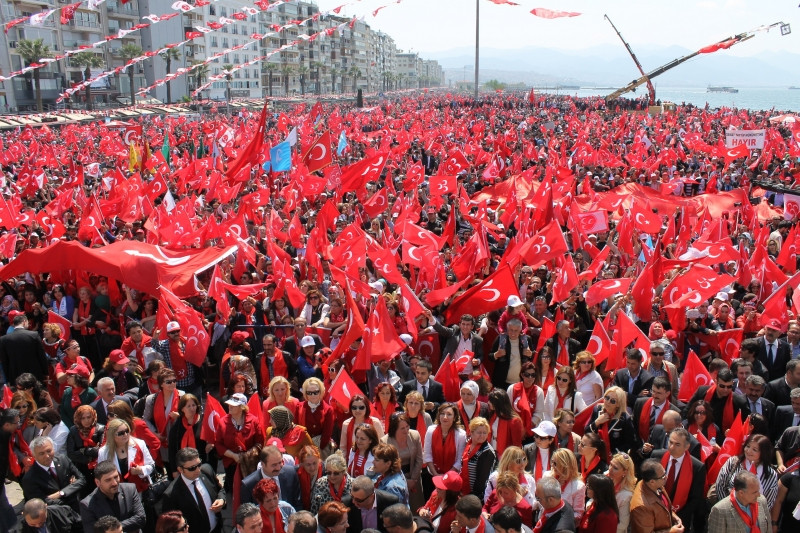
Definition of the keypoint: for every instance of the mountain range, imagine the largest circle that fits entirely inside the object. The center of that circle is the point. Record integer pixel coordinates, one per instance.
(611, 66)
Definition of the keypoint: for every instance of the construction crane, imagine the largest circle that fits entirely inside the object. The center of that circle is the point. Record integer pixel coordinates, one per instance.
(645, 77)
(721, 45)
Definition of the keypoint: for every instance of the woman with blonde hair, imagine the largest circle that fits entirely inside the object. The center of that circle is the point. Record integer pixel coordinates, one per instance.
(24, 403)
(334, 485)
(478, 458)
(316, 415)
(563, 394)
(622, 473)
(564, 420)
(587, 379)
(418, 418)
(130, 455)
(509, 493)
(610, 420)
(513, 460)
(409, 447)
(565, 471)
(279, 393)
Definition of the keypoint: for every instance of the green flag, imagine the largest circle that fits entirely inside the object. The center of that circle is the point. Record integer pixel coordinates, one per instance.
(165, 148)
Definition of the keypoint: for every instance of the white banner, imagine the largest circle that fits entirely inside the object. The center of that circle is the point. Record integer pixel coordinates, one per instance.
(754, 139)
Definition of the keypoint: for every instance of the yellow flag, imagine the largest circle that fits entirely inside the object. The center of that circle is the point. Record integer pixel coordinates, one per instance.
(133, 158)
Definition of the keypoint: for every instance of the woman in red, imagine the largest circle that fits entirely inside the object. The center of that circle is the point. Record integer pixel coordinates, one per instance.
(534, 394)
(278, 394)
(282, 426)
(360, 456)
(274, 512)
(239, 432)
(545, 369)
(507, 428)
(441, 507)
(601, 513)
(309, 470)
(385, 403)
(161, 409)
(509, 493)
(316, 415)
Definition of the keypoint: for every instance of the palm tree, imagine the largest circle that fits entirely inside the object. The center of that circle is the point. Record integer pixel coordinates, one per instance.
(318, 65)
(303, 71)
(270, 68)
(201, 72)
(228, 70)
(334, 73)
(169, 55)
(32, 52)
(89, 60)
(286, 71)
(354, 73)
(128, 52)
(399, 80)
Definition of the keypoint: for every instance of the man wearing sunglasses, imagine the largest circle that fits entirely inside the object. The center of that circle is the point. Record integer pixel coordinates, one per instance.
(196, 492)
(651, 508)
(724, 402)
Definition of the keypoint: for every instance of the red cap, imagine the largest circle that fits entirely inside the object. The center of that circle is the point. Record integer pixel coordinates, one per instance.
(774, 323)
(450, 481)
(239, 337)
(14, 314)
(278, 443)
(79, 370)
(118, 357)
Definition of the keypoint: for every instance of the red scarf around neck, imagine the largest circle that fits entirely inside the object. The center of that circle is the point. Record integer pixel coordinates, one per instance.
(159, 410)
(88, 442)
(683, 483)
(421, 427)
(76, 401)
(560, 399)
(644, 418)
(443, 450)
(586, 470)
(357, 465)
(279, 368)
(137, 460)
(13, 461)
(727, 412)
(188, 440)
(751, 521)
(177, 358)
(570, 442)
(384, 414)
(306, 484)
(539, 469)
(277, 516)
(468, 454)
(336, 494)
(546, 515)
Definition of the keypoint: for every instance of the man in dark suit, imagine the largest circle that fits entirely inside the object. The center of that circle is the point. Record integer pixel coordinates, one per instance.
(548, 493)
(52, 478)
(9, 421)
(779, 389)
(274, 362)
(786, 415)
(510, 350)
(292, 344)
(686, 477)
(633, 379)
(272, 466)
(196, 492)
(430, 389)
(21, 351)
(773, 352)
(659, 436)
(562, 341)
(754, 387)
(112, 498)
(719, 398)
(107, 393)
(655, 407)
(366, 505)
(459, 339)
(53, 518)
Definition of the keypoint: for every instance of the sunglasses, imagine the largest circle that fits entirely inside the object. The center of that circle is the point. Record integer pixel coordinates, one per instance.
(521, 460)
(312, 392)
(361, 500)
(585, 363)
(724, 386)
(563, 380)
(699, 412)
(170, 381)
(23, 406)
(539, 437)
(123, 432)
(657, 354)
(178, 332)
(528, 375)
(609, 399)
(359, 408)
(193, 467)
(546, 356)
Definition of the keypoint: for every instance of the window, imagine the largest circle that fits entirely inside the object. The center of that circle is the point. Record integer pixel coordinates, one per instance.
(223, 12)
(212, 10)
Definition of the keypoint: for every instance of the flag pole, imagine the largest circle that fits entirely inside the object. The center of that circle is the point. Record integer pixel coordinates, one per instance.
(477, 42)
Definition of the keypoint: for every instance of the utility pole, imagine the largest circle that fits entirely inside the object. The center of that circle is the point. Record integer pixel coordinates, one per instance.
(477, 42)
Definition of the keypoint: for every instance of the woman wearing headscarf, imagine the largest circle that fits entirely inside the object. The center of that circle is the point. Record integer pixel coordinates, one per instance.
(282, 426)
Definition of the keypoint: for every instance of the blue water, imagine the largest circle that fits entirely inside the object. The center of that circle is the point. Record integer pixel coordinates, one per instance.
(755, 98)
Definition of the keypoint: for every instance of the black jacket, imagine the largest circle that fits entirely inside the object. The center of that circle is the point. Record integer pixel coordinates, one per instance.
(644, 381)
(180, 497)
(696, 492)
(435, 393)
(784, 355)
(131, 511)
(384, 500)
(501, 365)
(38, 483)
(561, 522)
(778, 391)
(21, 351)
(60, 519)
(453, 338)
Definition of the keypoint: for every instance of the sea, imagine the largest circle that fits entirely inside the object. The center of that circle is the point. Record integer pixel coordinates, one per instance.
(774, 99)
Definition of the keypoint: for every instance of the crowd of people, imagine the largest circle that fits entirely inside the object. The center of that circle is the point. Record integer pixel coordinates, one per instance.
(470, 413)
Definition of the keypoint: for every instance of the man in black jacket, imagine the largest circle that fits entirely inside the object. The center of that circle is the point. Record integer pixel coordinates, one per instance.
(509, 352)
(52, 478)
(22, 351)
(633, 379)
(723, 393)
(686, 477)
(53, 518)
(548, 493)
(773, 352)
(431, 390)
(779, 389)
(366, 503)
(112, 498)
(460, 339)
(196, 492)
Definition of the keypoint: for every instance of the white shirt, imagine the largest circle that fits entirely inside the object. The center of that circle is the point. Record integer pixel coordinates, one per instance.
(678, 463)
(207, 501)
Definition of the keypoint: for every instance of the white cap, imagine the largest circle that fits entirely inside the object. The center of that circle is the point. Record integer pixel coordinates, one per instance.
(545, 429)
(406, 338)
(173, 326)
(308, 340)
(721, 296)
(237, 399)
(514, 301)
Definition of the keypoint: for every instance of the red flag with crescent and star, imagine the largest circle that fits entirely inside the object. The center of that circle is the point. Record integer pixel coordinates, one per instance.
(492, 293)
(695, 375)
(319, 154)
(212, 417)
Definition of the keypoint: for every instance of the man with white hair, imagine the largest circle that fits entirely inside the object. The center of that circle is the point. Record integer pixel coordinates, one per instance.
(744, 510)
(557, 515)
(52, 478)
(106, 393)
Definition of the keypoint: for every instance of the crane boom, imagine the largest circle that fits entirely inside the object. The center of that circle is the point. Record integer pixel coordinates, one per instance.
(644, 77)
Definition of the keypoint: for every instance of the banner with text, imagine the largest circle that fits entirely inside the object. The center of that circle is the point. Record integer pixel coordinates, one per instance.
(754, 139)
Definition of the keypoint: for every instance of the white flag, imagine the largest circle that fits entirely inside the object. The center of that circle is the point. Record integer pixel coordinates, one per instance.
(292, 137)
(169, 201)
(39, 18)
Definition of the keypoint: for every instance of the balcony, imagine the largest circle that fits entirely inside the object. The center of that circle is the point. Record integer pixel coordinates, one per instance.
(91, 25)
(119, 10)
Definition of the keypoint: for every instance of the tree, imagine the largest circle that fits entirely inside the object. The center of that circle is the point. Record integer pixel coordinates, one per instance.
(334, 72)
(286, 71)
(354, 73)
(128, 52)
(303, 71)
(318, 66)
(169, 55)
(201, 72)
(270, 68)
(32, 52)
(399, 77)
(228, 70)
(89, 60)
(495, 85)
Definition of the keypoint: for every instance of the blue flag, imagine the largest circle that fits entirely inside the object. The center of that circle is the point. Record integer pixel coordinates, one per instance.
(281, 157)
(342, 144)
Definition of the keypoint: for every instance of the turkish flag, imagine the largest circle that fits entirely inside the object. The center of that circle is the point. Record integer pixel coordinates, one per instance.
(358, 174)
(194, 334)
(705, 447)
(775, 305)
(492, 293)
(546, 245)
(566, 281)
(729, 342)
(625, 333)
(427, 347)
(605, 289)
(547, 332)
(644, 219)
(63, 324)
(378, 203)
(732, 154)
(7, 396)
(8, 245)
(598, 262)
(592, 221)
(642, 291)
(582, 418)
(731, 447)
(695, 376)
(448, 377)
(599, 344)
(254, 406)
(133, 134)
(411, 304)
(380, 339)
(319, 155)
(213, 413)
(355, 326)
(342, 389)
(216, 291)
(722, 45)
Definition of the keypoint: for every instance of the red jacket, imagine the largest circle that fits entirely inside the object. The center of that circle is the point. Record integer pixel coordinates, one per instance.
(320, 422)
(238, 441)
(601, 522)
(509, 433)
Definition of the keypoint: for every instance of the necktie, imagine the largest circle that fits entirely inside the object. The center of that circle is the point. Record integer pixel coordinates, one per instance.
(201, 504)
(671, 478)
(771, 354)
(53, 473)
(753, 408)
(653, 415)
(425, 392)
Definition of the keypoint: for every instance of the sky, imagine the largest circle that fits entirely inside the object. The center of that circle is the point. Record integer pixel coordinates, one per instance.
(432, 26)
